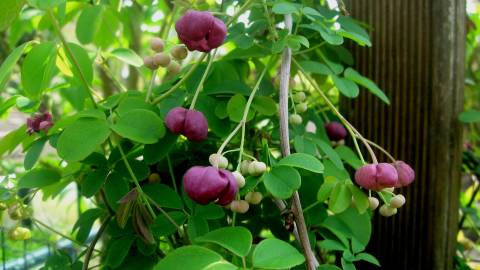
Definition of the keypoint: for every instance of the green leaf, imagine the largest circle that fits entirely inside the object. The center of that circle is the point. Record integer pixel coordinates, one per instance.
(153, 153)
(38, 69)
(85, 222)
(93, 182)
(12, 59)
(326, 188)
(285, 8)
(9, 142)
(118, 250)
(83, 61)
(45, 4)
(133, 102)
(81, 138)
(346, 87)
(128, 56)
(349, 156)
(10, 10)
(282, 181)
(116, 187)
(209, 211)
(330, 244)
(39, 178)
(331, 154)
(470, 116)
(353, 75)
(163, 227)
(346, 265)
(328, 267)
(276, 254)
(329, 35)
(368, 258)
(98, 25)
(140, 125)
(191, 258)
(360, 198)
(264, 105)
(236, 106)
(197, 226)
(303, 161)
(340, 198)
(8, 104)
(238, 240)
(315, 67)
(350, 224)
(352, 30)
(33, 153)
(163, 195)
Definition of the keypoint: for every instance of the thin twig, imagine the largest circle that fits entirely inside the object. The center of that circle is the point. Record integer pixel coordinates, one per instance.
(90, 249)
(311, 260)
(181, 81)
(69, 52)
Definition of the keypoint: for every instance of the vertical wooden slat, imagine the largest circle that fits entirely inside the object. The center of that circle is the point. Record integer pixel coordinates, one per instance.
(417, 59)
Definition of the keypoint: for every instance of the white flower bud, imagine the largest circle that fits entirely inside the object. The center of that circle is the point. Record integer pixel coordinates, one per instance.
(218, 161)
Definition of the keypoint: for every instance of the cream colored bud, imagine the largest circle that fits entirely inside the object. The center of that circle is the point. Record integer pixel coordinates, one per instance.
(295, 119)
(373, 203)
(254, 197)
(387, 211)
(161, 59)
(397, 201)
(239, 206)
(157, 44)
(240, 179)
(218, 161)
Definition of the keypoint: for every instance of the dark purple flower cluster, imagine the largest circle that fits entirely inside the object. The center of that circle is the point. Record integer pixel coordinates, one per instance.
(335, 131)
(209, 184)
(190, 123)
(39, 122)
(201, 31)
(384, 175)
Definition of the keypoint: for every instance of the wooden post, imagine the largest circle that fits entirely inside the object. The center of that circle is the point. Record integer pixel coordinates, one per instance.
(417, 58)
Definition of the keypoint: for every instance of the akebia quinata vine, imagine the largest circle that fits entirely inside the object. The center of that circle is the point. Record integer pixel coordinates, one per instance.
(198, 134)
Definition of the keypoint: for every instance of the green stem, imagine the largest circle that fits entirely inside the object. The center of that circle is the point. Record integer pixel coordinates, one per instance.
(135, 180)
(202, 80)
(310, 49)
(172, 175)
(382, 150)
(38, 222)
(166, 29)
(71, 56)
(334, 109)
(239, 12)
(150, 87)
(167, 216)
(311, 206)
(180, 82)
(90, 249)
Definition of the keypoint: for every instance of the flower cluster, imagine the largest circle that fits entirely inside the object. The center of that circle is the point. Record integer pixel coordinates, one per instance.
(190, 123)
(39, 122)
(201, 31)
(384, 175)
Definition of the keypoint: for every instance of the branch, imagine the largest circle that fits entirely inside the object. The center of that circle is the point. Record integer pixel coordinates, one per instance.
(312, 262)
(90, 249)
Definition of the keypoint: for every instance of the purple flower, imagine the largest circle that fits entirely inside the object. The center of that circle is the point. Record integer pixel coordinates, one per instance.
(190, 123)
(201, 31)
(39, 122)
(209, 184)
(406, 174)
(376, 176)
(335, 131)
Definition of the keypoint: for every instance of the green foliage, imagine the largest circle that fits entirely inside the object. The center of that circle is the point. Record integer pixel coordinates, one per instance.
(109, 137)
